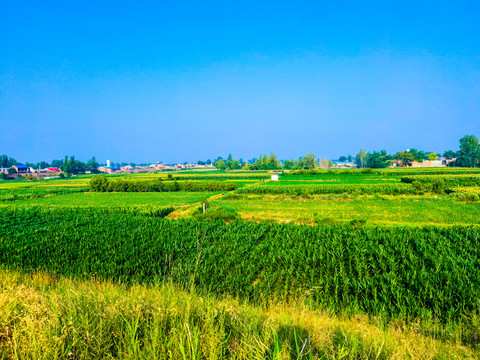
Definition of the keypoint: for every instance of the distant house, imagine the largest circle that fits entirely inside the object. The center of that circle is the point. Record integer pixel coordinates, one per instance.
(448, 162)
(107, 169)
(418, 164)
(52, 169)
(427, 163)
(21, 169)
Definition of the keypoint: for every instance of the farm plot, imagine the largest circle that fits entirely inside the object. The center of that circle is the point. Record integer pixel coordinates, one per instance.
(94, 199)
(371, 210)
(396, 273)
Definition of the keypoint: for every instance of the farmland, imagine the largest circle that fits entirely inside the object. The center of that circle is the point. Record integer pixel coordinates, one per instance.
(390, 247)
(370, 210)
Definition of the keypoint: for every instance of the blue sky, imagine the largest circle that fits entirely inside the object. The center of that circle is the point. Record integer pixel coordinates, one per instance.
(188, 80)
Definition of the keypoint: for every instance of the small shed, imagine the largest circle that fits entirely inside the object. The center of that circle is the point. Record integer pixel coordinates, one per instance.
(274, 177)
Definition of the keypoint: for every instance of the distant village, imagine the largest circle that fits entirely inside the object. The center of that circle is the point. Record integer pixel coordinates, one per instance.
(467, 156)
(109, 169)
(441, 161)
(55, 173)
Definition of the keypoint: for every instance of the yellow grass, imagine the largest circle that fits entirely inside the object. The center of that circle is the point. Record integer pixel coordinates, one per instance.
(45, 317)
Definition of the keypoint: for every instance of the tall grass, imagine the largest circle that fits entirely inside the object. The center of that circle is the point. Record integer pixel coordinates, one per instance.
(49, 317)
(403, 272)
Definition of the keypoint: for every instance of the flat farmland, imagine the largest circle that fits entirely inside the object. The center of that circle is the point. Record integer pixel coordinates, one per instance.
(370, 210)
(397, 249)
(94, 199)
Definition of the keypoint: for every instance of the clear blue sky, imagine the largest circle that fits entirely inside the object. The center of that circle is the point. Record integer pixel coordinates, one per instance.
(189, 80)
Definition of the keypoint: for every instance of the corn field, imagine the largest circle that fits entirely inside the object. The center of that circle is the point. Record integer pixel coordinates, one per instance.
(401, 272)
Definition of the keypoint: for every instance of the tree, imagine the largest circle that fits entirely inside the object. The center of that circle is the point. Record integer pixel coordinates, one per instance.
(342, 158)
(450, 154)
(307, 162)
(418, 155)
(209, 162)
(220, 164)
(273, 163)
(432, 156)
(92, 165)
(378, 160)
(350, 158)
(361, 159)
(469, 154)
(57, 163)
(72, 166)
(235, 165)
(99, 183)
(43, 165)
(290, 164)
(7, 162)
(406, 157)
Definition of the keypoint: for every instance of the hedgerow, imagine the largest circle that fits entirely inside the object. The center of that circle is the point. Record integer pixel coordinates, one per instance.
(330, 189)
(103, 184)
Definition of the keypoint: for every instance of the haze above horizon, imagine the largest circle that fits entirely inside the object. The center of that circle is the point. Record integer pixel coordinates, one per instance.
(185, 81)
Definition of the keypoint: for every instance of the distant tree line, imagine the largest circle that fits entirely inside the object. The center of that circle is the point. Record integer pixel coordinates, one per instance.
(468, 155)
(264, 162)
(68, 165)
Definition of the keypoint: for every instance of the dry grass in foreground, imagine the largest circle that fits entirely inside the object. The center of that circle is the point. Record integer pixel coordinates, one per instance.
(44, 317)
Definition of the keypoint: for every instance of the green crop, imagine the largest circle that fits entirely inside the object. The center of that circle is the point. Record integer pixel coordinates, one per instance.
(104, 184)
(404, 272)
(330, 189)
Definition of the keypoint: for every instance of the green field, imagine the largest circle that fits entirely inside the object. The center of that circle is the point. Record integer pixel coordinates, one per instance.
(372, 210)
(397, 248)
(93, 199)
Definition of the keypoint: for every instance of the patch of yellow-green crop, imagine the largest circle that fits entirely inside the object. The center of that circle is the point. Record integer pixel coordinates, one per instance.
(96, 199)
(372, 210)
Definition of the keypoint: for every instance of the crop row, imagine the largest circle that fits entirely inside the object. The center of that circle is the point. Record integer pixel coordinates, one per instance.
(224, 177)
(103, 184)
(35, 193)
(329, 189)
(449, 180)
(428, 272)
(399, 171)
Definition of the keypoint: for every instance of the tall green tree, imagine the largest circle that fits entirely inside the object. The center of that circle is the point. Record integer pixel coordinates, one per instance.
(469, 154)
(406, 156)
(72, 166)
(361, 159)
(220, 164)
(7, 162)
(290, 164)
(379, 159)
(92, 165)
(307, 162)
(418, 155)
(450, 154)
